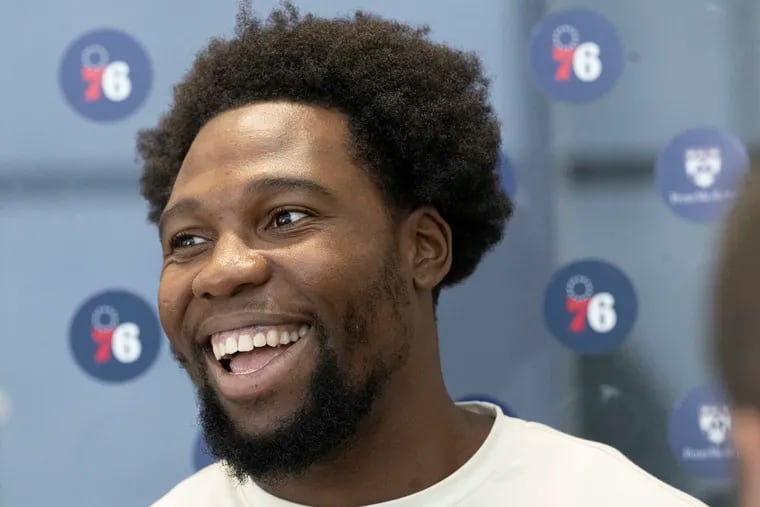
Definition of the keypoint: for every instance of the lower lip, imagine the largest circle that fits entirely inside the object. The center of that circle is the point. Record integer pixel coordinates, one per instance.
(247, 386)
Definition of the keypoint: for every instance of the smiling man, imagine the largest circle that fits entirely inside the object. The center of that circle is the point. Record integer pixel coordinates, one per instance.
(316, 183)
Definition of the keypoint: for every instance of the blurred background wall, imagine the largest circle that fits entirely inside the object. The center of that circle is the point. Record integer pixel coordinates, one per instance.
(119, 430)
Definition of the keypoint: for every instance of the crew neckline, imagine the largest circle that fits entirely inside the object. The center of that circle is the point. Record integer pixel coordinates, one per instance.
(476, 470)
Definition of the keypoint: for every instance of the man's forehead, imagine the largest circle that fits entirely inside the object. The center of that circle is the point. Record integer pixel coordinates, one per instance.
(268, 140)
(266, 132)
(269, 127)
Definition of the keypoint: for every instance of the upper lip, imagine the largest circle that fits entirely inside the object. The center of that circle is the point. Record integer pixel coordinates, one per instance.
(228, 321)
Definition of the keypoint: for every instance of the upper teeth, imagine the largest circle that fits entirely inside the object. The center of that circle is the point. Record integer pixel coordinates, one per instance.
(249, 338)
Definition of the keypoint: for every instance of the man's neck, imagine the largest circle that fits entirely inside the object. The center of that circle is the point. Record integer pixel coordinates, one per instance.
(406, 445)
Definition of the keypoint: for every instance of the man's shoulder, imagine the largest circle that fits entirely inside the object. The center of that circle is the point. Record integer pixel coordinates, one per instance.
(209, 486)
(596, 471)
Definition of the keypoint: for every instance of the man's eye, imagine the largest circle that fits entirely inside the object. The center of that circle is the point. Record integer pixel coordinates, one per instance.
(287, 217)
(186, 241)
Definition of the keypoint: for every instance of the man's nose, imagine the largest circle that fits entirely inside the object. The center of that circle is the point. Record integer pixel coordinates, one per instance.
(232, 266)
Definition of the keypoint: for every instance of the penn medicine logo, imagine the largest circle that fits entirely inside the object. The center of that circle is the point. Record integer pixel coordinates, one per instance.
(715, 423)
(703, 165)
(699, 433)
(699, 171)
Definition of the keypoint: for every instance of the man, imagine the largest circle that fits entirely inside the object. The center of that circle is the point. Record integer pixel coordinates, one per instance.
(737, 333)
(316, 184)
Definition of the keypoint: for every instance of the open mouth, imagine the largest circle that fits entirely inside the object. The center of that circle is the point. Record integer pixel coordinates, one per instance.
(246, 350)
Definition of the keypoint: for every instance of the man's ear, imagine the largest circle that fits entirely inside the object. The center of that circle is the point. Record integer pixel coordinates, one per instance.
(428, 247)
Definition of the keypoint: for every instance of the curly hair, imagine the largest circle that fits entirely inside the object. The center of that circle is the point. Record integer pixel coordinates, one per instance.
(418, 113)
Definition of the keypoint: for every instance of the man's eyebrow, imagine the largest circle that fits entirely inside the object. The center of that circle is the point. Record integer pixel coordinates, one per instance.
(183, 206)
(255, 187)
(280, 184)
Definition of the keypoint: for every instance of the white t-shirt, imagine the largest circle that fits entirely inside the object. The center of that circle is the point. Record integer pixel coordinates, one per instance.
(520, 464)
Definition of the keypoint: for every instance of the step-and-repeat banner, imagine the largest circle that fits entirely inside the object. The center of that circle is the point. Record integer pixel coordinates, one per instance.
(589, 317)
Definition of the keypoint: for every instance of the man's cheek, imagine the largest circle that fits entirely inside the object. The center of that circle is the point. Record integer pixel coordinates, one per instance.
(170, 312)
(166, 309)
(179, 356)
(192, 360)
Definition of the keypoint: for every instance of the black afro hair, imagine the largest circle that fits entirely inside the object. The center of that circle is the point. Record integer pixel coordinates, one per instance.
(418, 113)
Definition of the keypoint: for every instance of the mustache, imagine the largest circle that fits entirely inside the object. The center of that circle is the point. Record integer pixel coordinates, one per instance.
(189, 354)
(178, 356)
(192, 363)
(242, 303)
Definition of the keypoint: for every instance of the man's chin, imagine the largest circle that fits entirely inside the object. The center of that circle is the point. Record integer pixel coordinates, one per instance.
(265, 441)
(258, 419)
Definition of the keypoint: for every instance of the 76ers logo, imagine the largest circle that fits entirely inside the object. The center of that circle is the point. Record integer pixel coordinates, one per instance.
(576, 55)
(596, 310)
(574, 58)
(115, 340)
(590, 306)
(105, 75)
(115, 336)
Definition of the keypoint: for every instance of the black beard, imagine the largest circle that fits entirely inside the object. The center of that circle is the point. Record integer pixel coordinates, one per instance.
(333, 406)
(325, 422)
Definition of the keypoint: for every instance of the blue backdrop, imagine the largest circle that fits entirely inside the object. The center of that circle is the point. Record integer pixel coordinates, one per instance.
(590, 316)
